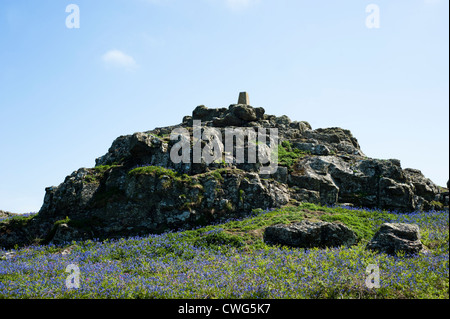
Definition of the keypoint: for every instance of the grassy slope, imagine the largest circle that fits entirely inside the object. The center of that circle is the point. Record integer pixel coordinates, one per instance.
(231, 260)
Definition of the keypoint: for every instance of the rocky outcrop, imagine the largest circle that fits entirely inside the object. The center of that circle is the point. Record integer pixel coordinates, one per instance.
(395, 238)
(4, 215)
(307, 234)
(364, 182)
(136, 189)
(235, 115)
(117, 203)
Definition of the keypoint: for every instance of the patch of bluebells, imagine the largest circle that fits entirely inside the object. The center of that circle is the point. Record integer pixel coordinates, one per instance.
(172, 266)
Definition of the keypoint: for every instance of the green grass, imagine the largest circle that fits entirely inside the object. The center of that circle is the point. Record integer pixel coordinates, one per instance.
(217, 175)
(153, 171)
(437, 204)
(159, 171)
(97, 173)
(362, 222)
(288, 156)
(17, 221)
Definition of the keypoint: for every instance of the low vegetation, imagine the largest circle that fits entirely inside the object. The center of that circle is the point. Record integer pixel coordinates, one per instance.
(18, 221)
(98, 173)
(159, 171)
(231, 260)
(288, 155)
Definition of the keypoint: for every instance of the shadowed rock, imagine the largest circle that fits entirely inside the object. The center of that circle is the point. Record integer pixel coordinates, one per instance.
(307, 234)
(393, 238)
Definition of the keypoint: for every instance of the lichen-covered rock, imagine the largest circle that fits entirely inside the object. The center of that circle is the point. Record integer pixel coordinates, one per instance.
(63, 234)
(307, 234)
(393, 238)
(364, 182)
(116, 203)
(136, 189)
(339, 139)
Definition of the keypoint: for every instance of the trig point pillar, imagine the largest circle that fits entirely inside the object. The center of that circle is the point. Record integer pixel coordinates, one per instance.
(243, 98)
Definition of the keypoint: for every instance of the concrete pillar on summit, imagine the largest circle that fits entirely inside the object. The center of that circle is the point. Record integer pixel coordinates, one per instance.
(243, 98)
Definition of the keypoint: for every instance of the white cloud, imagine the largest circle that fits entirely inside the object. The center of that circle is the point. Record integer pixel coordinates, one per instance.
(118, 59)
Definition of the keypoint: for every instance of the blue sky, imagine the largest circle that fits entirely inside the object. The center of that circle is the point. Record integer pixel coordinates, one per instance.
(133, 65)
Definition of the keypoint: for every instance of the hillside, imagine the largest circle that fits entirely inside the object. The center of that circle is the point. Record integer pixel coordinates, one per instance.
(231, 260)
(151, 182)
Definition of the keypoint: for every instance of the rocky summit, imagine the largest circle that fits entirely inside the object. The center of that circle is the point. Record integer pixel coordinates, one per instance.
(151, 182)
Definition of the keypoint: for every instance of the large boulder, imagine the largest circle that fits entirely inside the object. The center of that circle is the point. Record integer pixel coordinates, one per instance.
(308, 234)
(237, 115)
(137, 148)
(393, 238)
(205, 114)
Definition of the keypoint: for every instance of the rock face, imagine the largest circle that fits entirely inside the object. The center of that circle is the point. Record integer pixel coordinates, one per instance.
(136, 189)
(364, 182)
(4, 214)
(64, 233)
(394, 238)
(309, 234)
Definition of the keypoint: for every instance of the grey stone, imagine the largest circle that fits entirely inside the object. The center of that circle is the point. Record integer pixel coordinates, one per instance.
(313, 148)
(301, 126)
(203, 113)
(283, 120)
(244, 113)
(238, 115)
(280, 175)
(65, 234)
(304, 195)
(393, 238)
(308, 234)
(335, 138)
